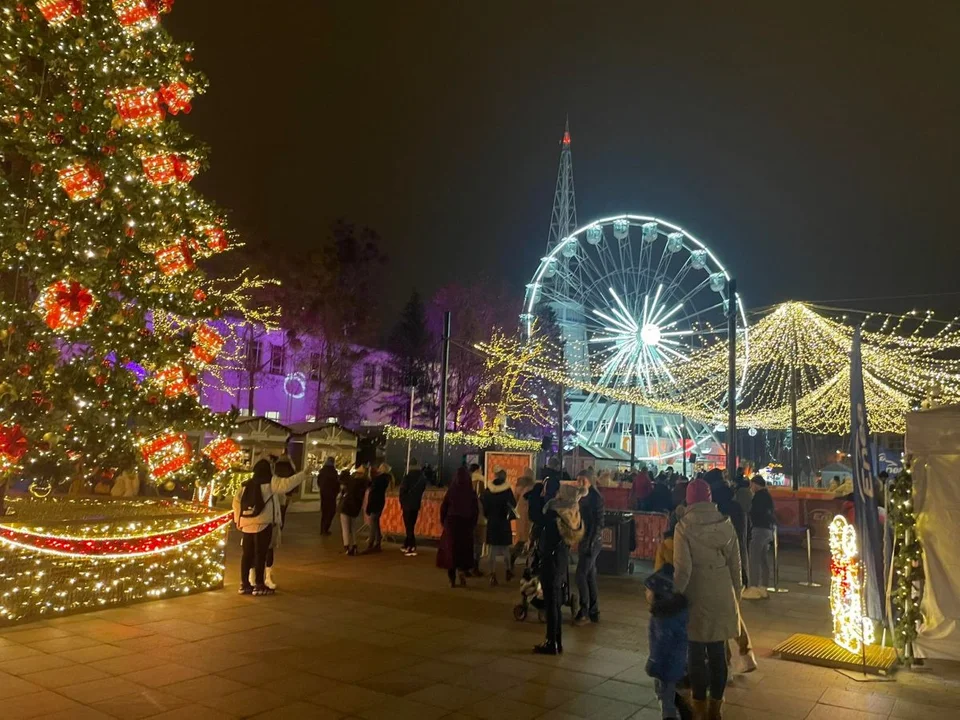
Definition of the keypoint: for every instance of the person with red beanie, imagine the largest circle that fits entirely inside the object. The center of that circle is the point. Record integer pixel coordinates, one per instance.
(706, 556)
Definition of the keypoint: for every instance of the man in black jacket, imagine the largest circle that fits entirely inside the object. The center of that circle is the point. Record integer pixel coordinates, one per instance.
(591, 513)
(328, 482)
(763, 522)
(411, 496)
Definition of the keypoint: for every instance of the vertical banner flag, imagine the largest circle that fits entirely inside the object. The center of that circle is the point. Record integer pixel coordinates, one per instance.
(864, 497)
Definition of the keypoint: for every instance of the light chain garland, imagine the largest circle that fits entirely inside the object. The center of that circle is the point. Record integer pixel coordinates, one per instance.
(900, 369)
(480, 440)
(47, 571)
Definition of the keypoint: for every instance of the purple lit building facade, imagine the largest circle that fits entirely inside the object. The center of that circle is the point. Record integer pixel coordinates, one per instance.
(291, 380)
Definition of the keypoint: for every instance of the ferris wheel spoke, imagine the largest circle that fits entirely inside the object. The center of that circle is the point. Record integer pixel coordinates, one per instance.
(679, 277)
(661, 272)
(693, 292)
(646, 255)
(613, 422)
(698, 313)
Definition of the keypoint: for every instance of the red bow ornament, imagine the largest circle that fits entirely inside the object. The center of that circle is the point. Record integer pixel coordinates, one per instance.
(66, 304)
(13, 446)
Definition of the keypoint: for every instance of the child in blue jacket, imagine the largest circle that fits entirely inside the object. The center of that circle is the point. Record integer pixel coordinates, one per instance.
(667, 634)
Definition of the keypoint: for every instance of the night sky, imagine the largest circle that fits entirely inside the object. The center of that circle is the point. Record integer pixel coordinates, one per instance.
(813, 146)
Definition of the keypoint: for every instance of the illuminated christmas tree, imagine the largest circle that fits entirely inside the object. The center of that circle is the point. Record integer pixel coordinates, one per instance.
(106, 320)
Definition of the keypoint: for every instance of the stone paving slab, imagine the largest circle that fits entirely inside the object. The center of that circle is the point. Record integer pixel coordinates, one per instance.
(383, 636)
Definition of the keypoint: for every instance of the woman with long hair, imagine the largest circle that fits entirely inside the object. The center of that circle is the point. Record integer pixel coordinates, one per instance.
(458, 515)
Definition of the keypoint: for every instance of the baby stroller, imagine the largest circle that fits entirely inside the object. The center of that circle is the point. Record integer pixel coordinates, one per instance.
(531, 591)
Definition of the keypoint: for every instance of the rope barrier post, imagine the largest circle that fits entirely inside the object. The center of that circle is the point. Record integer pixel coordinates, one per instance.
(776, 563)
(809, 582)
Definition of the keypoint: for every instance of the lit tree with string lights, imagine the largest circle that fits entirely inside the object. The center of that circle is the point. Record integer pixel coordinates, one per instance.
(105, 318)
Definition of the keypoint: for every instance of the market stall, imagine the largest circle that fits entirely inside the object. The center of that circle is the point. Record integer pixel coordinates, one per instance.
(805, 508)
(259, 435)
(616, 497)
(310, 445)
(648, 527)
(428, 522)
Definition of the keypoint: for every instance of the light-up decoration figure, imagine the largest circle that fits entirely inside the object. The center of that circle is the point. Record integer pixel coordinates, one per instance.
(850, 628)
(295, 385)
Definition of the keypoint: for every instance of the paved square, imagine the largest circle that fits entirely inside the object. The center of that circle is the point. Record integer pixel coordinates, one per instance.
(385, 637)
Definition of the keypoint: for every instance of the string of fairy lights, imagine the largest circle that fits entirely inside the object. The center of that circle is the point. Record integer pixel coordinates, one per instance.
(57, 558)
(906, 360)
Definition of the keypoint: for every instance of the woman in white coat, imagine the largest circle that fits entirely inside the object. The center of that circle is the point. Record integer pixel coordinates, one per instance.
(706, 558)
(257, 513)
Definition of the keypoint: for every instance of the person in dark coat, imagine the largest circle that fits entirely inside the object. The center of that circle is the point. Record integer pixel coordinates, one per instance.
(588, 550)
(763, 526)
(351, 505)
(411, 496)
(329, 485)
(458, 515)
(667, 638)
(554, 471)
(660, 498)
(554, 559)
(640, 489)
(376, 502)
(498, 503)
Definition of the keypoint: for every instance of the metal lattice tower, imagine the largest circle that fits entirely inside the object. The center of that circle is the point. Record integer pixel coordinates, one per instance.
(563, 219)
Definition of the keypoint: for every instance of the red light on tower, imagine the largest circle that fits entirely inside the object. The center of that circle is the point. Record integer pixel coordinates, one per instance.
(566, 137)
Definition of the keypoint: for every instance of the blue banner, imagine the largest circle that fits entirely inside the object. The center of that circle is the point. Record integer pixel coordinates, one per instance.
(864, 497)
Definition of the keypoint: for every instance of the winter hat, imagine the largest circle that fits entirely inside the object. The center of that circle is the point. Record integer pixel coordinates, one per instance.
(661, 582)
(698, 491)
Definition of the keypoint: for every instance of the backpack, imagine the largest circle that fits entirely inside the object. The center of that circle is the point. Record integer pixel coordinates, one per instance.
(571, 535)
(251, 500)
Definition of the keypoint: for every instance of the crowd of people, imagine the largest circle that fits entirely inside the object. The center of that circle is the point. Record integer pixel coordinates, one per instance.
(714, 553)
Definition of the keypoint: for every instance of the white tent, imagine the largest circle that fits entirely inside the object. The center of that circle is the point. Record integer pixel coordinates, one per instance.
(933, 440)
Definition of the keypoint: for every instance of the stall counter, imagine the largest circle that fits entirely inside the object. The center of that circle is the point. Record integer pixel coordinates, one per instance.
(648, 527)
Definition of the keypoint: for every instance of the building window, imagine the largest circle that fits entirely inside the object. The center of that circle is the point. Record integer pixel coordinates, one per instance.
(315, 366)
(254, 354)
(388, 378)
(276, 359)
(311, 418)
(272, 415)
(244, 412)
(369, 376)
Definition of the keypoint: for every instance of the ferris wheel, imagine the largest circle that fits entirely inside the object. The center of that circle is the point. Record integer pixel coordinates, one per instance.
(634, 296)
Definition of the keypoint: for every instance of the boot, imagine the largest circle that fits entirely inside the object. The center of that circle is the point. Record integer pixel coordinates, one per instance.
(493, 581)
(714, 709)
(268, 579)
(699, 708)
